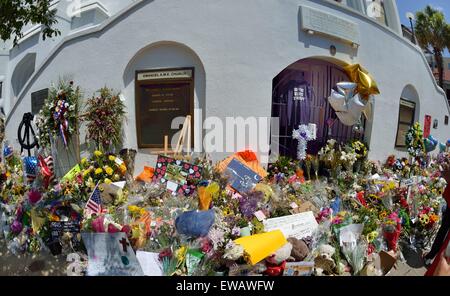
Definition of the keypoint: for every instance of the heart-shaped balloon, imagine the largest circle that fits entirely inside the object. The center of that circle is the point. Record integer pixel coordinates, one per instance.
(429, 145)
(433, 140)
(31, 164)
(346, 118)
(7, 152)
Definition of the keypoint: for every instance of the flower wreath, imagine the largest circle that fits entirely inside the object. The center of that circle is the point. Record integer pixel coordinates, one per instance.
(59, 116)
(414, 141)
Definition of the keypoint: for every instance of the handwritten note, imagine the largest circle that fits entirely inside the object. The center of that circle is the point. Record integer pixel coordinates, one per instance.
(299, 225)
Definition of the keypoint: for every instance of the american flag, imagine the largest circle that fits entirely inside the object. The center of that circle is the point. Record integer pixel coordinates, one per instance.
(94, 204)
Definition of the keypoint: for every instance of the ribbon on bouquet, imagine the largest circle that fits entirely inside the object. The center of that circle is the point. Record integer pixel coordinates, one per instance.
(46, 170)
(59, 118)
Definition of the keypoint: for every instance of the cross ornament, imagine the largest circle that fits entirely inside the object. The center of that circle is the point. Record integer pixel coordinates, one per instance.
(304, 134)
(124, 243)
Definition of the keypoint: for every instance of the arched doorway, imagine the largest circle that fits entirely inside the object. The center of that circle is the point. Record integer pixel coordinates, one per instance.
(300, 95)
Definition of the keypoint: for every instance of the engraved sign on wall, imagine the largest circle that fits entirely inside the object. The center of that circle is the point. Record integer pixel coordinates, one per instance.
(38, 100)
(327, 24)
(161, 96)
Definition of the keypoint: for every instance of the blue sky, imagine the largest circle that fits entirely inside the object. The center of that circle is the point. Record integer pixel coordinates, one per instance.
(405, 6)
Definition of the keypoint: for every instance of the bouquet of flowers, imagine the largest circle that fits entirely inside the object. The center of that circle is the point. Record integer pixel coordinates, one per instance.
(59, 116)
(414, 141)
(102, 168)
(104, 118)
(391, 230)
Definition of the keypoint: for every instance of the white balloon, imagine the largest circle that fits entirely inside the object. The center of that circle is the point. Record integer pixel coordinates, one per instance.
(337, 101)
(347, 118)
(356, 107)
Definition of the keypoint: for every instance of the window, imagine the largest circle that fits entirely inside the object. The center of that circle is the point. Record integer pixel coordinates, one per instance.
(405, 121)
(376, 9)
(357, 5)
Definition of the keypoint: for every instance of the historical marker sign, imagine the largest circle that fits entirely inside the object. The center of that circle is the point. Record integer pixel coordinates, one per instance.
(161, 96)
(330, 25)
(38, 100)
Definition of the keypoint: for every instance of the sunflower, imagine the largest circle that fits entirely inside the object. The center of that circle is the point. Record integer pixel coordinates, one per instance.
(424, 219)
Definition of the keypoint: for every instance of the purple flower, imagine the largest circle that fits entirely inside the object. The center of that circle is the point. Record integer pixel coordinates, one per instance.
(248, 204)
(16, 227)
(236, 231)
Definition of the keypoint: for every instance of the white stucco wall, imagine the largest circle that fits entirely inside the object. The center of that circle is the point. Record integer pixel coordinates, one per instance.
(242, 46)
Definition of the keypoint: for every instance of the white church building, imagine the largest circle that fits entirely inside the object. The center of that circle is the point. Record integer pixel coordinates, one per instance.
(229, 58)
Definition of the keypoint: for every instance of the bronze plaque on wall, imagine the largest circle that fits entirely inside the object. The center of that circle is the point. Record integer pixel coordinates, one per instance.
(161, 96)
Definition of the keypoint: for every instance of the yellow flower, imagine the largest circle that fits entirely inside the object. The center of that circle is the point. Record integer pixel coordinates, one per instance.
(116, 177)
(181, 253)
(108, 181)
(98, 171)
(83, 161)
(98, 153)
(372, 236)
(424, 219)
(111, 157)
(86, 172)
(123, 169)
(109, 170)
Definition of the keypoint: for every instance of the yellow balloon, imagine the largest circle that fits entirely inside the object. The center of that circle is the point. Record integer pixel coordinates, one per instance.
(366, 84)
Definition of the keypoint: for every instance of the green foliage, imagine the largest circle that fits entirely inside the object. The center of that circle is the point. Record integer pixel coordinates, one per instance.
(16, 14)
(48, 126)
(104, 117)
(433, 33)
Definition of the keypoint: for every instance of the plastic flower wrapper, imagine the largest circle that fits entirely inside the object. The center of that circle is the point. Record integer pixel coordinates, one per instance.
(355, 254)
(233, 251)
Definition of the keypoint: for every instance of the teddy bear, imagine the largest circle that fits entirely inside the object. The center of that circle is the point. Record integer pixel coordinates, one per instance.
(324, 262)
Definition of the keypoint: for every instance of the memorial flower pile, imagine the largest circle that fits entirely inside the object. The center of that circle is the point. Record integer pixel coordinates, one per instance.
(214, 229)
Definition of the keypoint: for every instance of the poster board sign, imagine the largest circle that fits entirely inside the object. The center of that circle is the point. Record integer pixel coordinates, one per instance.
(241, 177)
(110, 254)
(299, 225)
(427, 126)
(177, 175)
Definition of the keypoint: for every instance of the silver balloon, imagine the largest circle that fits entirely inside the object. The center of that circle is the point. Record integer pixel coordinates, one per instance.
(337, 101)
(356, 107)
(346, 118)
(348, 88)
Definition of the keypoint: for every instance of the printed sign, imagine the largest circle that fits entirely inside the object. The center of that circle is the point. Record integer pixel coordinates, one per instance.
(299, 269)
(299, 225)
(242, 178)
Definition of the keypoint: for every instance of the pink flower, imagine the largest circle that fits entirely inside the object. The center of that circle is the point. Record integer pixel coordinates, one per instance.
(97, 224)
(34, 196)
(112, 229)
